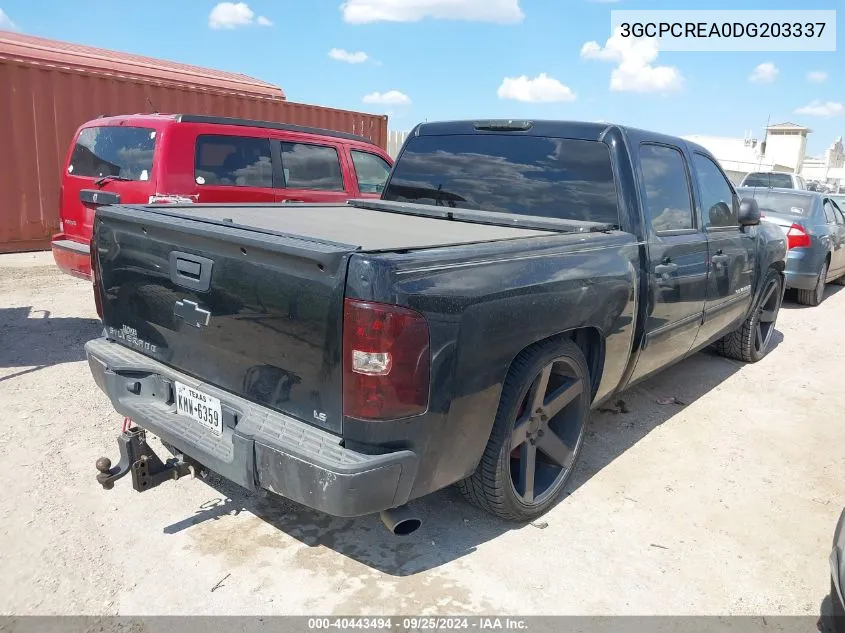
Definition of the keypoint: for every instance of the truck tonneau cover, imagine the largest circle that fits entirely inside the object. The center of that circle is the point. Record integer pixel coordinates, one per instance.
(356, 228)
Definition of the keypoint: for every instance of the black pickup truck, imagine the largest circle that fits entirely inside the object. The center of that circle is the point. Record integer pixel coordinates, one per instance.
(514, 275)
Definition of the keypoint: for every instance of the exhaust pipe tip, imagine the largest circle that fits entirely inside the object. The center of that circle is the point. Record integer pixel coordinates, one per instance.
(400, 521)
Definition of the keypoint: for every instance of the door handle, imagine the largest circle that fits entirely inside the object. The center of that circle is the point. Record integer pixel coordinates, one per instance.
(290, 201)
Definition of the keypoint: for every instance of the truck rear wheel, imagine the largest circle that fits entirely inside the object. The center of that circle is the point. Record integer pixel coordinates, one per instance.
(537, 433)
(750, 342)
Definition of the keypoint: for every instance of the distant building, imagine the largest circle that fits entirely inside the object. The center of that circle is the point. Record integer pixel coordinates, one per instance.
(830, 168)
(784, 149)
(737, 156)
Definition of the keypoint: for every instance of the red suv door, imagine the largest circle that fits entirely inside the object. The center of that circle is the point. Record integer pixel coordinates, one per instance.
(233, 168)
(311, 171)
(370, 170)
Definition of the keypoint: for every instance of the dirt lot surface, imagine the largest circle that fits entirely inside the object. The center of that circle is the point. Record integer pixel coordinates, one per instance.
(722, 503)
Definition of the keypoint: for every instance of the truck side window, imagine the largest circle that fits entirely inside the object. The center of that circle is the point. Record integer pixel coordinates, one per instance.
(311, 167)
(667, 189)
(719, 204)
(233, 161)
(371, 170)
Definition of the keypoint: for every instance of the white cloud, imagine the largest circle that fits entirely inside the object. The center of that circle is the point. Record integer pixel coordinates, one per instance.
(817, 76)
(230, 15)
(391, 97)
(765, 73)
(365, 11)
(634, 71)
(6, 22)
(541, 89)
(350, 58)
(822, 108)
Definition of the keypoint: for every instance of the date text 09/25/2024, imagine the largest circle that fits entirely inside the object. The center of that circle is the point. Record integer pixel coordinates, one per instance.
(418, 624)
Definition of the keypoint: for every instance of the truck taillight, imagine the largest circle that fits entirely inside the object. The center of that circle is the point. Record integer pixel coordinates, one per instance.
(95, 276)
(386, 361)
(797, 237)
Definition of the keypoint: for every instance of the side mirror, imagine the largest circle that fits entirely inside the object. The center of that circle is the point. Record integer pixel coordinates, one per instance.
(749, 212)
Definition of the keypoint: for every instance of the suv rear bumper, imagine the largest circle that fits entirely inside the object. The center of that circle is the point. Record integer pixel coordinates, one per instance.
(74, 258)
(259, 447)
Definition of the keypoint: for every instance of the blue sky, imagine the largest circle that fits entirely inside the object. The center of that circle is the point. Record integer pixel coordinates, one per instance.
(441, 59)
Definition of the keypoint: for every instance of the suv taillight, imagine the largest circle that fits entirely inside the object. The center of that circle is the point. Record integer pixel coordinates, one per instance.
(386, 360)
(796, 237)
(95, 276)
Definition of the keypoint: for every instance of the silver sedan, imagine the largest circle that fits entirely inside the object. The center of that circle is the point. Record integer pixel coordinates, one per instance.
(815, 231)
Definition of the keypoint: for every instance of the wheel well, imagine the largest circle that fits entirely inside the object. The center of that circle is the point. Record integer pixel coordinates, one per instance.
(591, 343)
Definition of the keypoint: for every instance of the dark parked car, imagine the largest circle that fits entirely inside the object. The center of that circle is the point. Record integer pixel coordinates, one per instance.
(815, 230)
(183, 158)
(355, 357)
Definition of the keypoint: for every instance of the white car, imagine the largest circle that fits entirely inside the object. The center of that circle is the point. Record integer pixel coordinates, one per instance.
(779, 179)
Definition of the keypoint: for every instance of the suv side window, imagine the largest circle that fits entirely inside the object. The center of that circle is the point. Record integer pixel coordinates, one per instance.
(371, 171)
(311, 167)
(233, 161)
(668, 203)
(719, 204)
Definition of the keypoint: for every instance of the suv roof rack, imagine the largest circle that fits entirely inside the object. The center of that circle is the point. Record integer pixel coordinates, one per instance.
(287, 127)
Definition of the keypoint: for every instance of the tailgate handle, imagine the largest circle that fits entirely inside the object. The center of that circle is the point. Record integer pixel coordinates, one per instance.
(190, 271)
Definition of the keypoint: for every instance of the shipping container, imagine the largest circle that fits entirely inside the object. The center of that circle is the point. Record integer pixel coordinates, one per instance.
(49, 88)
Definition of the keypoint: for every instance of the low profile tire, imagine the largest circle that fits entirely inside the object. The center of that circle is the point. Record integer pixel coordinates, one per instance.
(750, 342)
(536, 436)
(814, 297)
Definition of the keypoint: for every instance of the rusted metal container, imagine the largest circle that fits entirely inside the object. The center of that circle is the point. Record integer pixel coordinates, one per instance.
(49, 88)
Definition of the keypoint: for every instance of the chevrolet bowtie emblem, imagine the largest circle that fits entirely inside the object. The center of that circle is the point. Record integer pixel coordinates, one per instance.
(191, 313)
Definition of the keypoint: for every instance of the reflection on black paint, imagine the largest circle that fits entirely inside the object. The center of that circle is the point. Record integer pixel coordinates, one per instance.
(526, 175)
(269, 385)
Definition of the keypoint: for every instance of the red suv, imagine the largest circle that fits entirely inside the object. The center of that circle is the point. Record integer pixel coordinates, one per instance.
(167, 158)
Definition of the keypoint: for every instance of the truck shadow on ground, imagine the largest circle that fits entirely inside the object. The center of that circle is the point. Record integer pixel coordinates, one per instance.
(34, 339)
(452, 528)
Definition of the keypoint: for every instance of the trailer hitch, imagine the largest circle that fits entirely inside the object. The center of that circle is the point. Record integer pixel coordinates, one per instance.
(136, 456)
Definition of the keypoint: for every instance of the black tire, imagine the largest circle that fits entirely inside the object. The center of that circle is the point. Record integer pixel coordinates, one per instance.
(750, 342)
(839, 281)
(544, 447)
(814, 297)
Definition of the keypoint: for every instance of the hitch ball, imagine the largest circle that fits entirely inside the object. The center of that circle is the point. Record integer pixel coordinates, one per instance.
(103, 465)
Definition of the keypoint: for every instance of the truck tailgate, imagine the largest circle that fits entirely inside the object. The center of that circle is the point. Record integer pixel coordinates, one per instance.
(250, 309)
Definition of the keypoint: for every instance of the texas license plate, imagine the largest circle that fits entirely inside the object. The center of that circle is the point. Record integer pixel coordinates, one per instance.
(201, 407)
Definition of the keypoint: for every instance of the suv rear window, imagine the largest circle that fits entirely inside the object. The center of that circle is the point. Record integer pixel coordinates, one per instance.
(525, 175)
(768, 180)
(114, 151)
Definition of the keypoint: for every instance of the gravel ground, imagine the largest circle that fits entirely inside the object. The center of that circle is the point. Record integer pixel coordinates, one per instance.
(722, 503)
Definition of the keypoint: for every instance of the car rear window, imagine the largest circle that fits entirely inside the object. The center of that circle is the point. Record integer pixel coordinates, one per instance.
(768, 180)
(773, 203)
(525, 175)
(114, 151)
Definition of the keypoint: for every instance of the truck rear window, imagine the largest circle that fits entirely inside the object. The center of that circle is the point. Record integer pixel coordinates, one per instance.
(768, 180)
(114, 151)
(525, 175)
